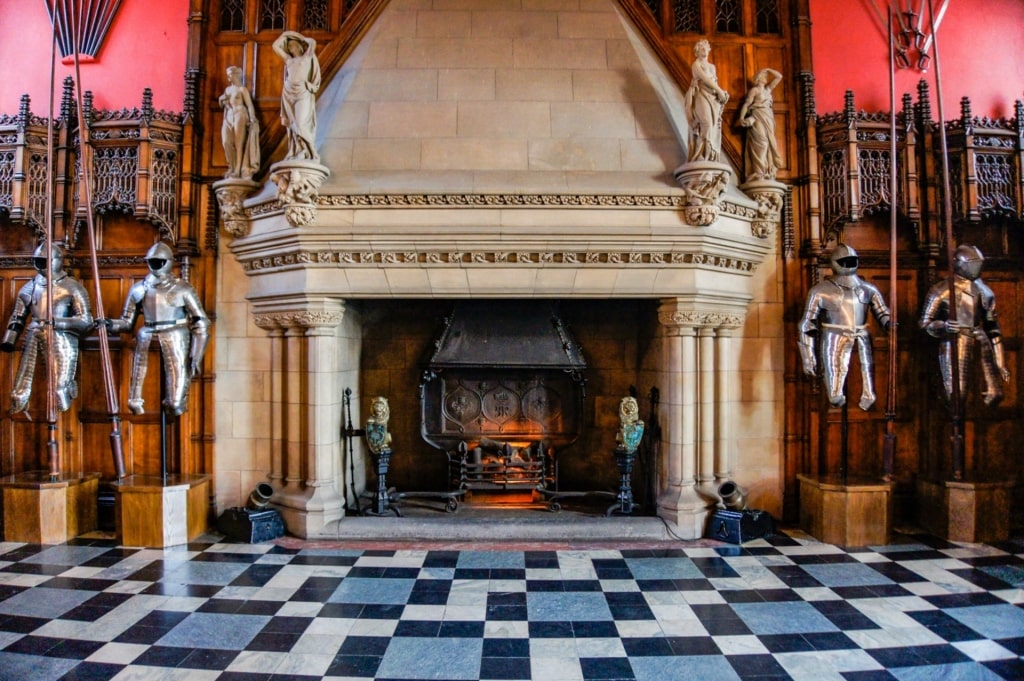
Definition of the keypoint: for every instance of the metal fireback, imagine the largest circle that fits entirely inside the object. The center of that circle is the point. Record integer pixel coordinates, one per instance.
(505, 371)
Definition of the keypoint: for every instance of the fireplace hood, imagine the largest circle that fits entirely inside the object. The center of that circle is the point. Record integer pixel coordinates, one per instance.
(506, 335)
(500, 372)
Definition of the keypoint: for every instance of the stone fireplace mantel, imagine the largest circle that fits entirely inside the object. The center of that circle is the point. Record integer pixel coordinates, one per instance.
(385, 246)
(405, 246)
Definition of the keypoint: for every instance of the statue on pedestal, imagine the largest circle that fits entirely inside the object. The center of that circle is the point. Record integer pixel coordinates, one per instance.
(761, 155)
(174, 316)
(240, 132)
(704, 103)
(298, 94)
(70, 315)
(837, 312)
(972, 322)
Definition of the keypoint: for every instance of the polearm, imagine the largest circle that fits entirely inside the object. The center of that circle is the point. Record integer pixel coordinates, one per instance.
(889, 450)
(113, 408)
(52, 446)
(956, 411)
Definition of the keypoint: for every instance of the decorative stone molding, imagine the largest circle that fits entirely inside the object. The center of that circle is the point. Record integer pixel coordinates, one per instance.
(589, 201)
(703, 183)
(298, 184)
(418, 258)
(304, 319)
(770, 197)
(700, 318)
(230, 194)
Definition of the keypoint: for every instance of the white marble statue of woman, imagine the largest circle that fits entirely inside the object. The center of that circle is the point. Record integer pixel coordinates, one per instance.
(298, 94)
(704, 103)
(761, 156)
(240, 132)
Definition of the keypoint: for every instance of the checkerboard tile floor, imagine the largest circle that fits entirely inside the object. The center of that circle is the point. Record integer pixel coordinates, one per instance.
(785, 607)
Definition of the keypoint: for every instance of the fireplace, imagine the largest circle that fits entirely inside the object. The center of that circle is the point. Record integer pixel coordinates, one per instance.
(501, 395)
(450, 185)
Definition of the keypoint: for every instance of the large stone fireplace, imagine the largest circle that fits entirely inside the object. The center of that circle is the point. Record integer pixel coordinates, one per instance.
(496, 157)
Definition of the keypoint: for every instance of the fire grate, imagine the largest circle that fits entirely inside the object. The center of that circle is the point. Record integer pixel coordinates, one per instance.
(502, 394)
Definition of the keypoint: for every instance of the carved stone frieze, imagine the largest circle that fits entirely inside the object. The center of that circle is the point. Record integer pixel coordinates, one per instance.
(659, 201)
(487, 257)
(304, 319)
(705, 319)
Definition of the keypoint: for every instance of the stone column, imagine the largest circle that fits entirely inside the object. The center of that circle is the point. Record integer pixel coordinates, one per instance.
(698, 378)
(725, 376)
(708, 410)
(680, 505)
(306, 412)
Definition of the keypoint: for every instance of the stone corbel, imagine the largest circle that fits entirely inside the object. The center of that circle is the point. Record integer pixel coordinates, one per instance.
(298, 184)
(703, 183)
(230, 195)
(770, 197)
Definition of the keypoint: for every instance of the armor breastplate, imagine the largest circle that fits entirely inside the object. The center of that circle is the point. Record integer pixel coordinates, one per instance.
(966, 305)
(847, 306)
(62, 301)
(163, 302)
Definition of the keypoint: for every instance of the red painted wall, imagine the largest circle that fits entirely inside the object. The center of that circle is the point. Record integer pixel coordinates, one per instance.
(145, 47)
(981, 56)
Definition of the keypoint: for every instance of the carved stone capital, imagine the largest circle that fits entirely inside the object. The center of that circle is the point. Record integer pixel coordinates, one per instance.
(298, 184)
(703, 184)
(678, 314)
(230, 195)
(312, 316)
(770, 197)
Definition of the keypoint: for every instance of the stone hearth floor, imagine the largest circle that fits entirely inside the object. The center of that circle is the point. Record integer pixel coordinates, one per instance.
(781, 607)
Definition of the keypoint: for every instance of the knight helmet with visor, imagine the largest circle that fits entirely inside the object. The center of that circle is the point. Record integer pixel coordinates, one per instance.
(844, 260)
(40, 261)
(968, 261)
(160, 259)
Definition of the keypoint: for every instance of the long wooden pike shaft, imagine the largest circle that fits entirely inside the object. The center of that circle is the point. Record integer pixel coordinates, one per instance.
(113, 408)
(957, 440)
(889, 451)
(52, 446)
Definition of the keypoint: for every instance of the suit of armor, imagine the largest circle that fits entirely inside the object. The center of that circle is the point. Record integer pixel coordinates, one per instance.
(837, 312)
(71, 316)
(172, 314)
(973, 323)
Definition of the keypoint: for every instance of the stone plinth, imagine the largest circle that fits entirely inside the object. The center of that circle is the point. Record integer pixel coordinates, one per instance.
(964, 511)
(850, 512)
(153, 512)
(42, 510)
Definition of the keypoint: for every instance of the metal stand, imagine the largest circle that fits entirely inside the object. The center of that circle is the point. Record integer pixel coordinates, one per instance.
(624, 504)
(385, 499)
(624, 458)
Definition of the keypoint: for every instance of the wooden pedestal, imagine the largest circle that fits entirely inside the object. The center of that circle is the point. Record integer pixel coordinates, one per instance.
(964, 511)
(854, 512)
(151, 512)
(39, 510)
